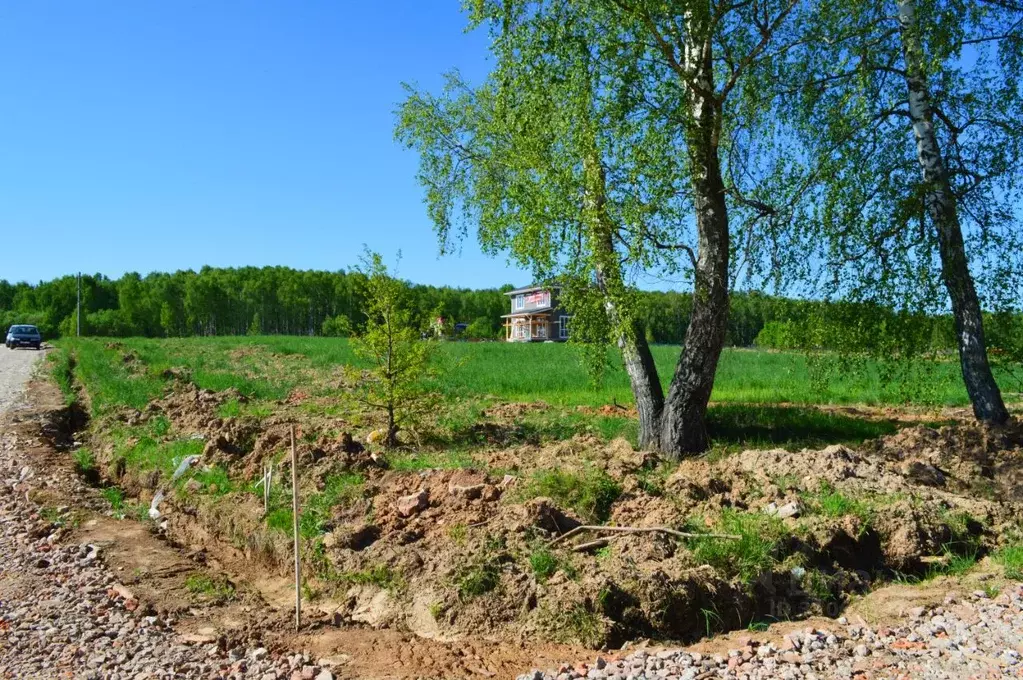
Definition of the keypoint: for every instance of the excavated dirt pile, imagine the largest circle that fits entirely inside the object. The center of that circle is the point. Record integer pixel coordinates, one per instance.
(447, 553)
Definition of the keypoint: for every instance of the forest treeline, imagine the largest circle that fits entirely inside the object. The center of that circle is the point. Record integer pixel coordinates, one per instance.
(281, 300)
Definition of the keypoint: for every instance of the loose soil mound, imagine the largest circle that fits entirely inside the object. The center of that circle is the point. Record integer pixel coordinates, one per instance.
(448, 553)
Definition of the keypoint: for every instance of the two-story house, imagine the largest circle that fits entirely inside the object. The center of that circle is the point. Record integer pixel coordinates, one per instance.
(536, 315)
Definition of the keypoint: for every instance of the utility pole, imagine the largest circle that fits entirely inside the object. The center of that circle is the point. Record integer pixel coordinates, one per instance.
(78, 315)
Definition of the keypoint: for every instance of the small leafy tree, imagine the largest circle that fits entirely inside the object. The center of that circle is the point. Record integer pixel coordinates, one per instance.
(399, 359)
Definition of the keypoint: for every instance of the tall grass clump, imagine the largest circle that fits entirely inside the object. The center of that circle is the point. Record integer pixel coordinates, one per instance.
(754, 553)
(62, 369)
(590, 493)
(1011, 560)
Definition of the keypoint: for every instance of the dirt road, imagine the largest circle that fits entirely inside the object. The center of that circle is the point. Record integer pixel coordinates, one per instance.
(15, 368)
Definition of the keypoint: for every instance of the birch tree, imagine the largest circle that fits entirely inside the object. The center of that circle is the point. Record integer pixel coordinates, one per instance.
(611, 140)
(911, 109)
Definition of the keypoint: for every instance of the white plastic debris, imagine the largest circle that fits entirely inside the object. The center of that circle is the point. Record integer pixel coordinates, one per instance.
(183, 466)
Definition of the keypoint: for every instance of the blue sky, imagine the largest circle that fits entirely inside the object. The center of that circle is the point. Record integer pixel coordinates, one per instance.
(155, 136)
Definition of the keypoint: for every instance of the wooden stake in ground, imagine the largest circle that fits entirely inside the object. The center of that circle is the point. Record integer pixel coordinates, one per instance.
(294, 514)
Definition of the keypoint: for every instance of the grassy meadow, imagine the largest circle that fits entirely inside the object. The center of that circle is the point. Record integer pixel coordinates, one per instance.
(760, 398)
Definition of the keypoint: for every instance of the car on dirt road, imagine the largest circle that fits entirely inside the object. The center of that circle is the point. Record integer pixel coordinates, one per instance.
(23, 335)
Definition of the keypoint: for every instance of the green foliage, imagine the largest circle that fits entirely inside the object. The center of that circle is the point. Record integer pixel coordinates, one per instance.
(590, 493)
(398, 358)
(1011, 559)
(483, 328)
(336, 327)
(777, 335)
(755, 553)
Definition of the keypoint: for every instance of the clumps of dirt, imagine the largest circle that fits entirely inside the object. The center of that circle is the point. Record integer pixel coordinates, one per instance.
(968, 458)
(617, 457)
(515, 410)
(610, 410)
(452, 552)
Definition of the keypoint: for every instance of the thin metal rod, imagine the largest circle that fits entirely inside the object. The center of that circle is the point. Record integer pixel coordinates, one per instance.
(294, 513)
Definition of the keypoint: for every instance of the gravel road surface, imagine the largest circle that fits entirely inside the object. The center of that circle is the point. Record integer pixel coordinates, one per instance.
(15, 368)
(971, 635)
(63, 613)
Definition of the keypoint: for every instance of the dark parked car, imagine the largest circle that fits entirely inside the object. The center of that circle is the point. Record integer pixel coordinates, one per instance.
(24, 336)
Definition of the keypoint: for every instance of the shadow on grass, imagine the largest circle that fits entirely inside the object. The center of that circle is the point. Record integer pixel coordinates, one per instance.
(732, 428)
(746, 426)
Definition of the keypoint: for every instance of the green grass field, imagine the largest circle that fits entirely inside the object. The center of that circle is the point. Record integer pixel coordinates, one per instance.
(762, 398)
(519, 372)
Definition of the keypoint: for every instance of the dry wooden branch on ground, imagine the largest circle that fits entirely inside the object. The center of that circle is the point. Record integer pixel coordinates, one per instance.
(638, 530)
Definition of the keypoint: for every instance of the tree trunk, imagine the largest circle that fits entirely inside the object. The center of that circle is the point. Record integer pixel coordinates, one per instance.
(636, 356)
(684, 421)
(940, 203)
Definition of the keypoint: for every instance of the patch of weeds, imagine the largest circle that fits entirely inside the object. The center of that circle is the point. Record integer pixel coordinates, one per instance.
(957, 561)
(483, 574)
(63, 372)
(1011, 560)
(711, 620)
(543, 563)
(204, 585)
(591, 493)
(603, 554)
(478, 580)
(232, 408)
(213, 480)
(753, 554)
(652, 479)
(992, 591)
(50, 514)
(577, 623)
(818, 585)
(758, 626)
(159, 426)
(115, 497)
(309, 593)
(786, 482)
(458, 533)
(437, 609)
(316, 511)
(829, 502)
(456, 459)
(380, 576)
(85, 461)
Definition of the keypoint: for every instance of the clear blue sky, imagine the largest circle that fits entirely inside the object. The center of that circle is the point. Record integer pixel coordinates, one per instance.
(147, 135)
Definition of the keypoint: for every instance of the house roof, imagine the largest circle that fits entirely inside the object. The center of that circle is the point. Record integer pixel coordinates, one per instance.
(531, 312)
(533, 287)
